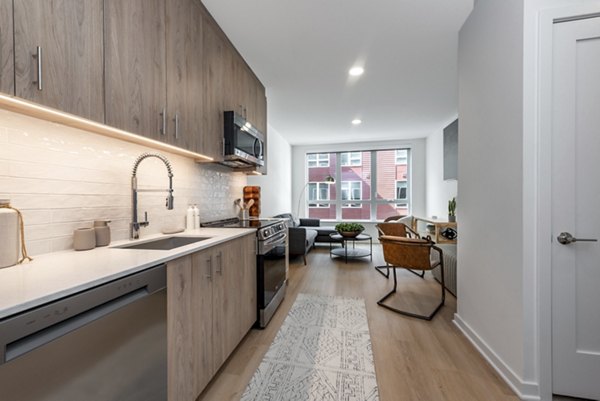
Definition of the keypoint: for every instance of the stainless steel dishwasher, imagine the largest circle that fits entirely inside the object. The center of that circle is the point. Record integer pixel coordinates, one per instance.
(103, 344)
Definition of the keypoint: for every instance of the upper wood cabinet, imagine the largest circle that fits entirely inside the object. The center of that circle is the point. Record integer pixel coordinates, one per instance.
(7, 59)
(229, 84)
(185, 56)
(261, 108)
(162, 69)
(135, 66)
(154, 70)
(216, 87)
(58, 55)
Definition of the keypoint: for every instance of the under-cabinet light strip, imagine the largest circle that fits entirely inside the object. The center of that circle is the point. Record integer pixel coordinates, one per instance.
(46, 113)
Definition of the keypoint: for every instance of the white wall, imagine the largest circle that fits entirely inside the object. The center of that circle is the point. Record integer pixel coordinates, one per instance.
(63, 178)
(438, 190)
(490, 250)
(276, 186)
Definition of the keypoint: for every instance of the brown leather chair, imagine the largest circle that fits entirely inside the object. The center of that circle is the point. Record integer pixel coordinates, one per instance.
(395, 230)
(411, 254)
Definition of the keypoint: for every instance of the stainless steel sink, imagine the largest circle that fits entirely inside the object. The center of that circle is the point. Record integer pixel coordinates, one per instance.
(163, 244)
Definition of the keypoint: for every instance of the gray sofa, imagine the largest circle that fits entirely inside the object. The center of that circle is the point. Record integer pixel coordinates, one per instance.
(304, 233)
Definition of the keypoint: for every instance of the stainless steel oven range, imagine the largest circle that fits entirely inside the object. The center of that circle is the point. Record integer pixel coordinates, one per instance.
(271, 244)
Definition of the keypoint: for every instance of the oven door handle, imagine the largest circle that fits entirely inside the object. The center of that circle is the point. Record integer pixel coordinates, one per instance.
(279, 238)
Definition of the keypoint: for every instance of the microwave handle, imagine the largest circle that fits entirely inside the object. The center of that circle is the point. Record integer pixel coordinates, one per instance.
(260, 149)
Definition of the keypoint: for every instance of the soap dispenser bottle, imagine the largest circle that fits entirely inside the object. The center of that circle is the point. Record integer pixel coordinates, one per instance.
(196, 217)
(189, 218)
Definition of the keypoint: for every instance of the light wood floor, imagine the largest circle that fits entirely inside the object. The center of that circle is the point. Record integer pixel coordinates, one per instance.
(414, 360)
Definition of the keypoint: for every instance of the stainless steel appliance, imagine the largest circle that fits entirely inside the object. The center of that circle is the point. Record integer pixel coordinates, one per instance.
(271, 253)
(107, 343)
(243, 144)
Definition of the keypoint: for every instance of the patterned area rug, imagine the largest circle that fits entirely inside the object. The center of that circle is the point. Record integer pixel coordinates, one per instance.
(322, 353)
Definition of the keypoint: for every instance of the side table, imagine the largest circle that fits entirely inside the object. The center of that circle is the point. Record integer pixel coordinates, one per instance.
(354, 252)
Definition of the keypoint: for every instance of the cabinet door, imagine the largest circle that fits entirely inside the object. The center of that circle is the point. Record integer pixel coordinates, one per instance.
(225, 302)
(213, 83)
(203, 276)
(69, 34)
(180, 335)
(234, 295)
(247, 285)
(261, 108)
(135, 66)
(7, 61)
(230, 84)
(184, 73)
(250, 89)
(262, 127)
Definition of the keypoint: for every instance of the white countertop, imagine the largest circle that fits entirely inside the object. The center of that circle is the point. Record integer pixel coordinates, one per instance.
(55, 275)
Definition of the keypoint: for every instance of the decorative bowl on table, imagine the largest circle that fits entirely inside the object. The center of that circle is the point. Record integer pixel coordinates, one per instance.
(349, 230)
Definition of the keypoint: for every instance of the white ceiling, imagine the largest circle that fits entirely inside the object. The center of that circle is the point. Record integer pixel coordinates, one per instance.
(302, 50)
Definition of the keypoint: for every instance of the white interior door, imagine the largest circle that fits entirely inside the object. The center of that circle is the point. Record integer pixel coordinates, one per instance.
(576, 209)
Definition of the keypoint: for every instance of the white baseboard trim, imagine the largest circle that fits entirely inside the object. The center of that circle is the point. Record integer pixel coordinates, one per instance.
(526, 391)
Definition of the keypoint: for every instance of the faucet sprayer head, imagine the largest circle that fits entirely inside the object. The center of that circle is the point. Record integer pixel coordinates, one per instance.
(170, 202)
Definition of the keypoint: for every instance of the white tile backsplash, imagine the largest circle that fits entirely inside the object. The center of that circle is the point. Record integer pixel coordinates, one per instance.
(63, 178)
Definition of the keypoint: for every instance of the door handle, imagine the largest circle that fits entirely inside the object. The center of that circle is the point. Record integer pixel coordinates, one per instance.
(566, 238)
(220, 263)
(209, 269)
(38, 57)
(176, 120)
(163, 116)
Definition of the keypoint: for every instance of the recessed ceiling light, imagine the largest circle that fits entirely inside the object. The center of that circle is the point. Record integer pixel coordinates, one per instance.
(356, 71)
(356, 121)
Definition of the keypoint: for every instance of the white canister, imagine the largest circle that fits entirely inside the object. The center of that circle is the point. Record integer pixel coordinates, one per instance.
(9, 235)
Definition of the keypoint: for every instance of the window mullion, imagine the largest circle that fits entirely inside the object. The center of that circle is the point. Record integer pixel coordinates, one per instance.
(373, 185)
(338, 186)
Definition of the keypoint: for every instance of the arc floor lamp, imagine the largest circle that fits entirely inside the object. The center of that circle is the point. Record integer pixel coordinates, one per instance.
(328, 180)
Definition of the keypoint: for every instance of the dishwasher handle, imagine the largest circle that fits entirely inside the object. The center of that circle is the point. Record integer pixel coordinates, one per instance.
(32, 329)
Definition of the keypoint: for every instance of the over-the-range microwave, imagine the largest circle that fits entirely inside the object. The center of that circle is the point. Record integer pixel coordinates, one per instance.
(244, 144)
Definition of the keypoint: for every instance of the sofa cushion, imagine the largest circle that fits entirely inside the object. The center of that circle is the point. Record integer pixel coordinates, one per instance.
(311, 235)
(304, 222)
(325, 231)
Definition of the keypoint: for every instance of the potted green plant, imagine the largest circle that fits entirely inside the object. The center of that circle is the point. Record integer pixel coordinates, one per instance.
(349, 230)
(452, 210)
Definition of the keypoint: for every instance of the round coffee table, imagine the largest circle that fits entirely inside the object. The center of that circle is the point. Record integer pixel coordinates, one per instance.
(354, 252)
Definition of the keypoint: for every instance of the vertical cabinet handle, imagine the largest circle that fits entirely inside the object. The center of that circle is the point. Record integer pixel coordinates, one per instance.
(209, 269)
(220, 263)
(176, 120)
(38, 57)
(163, 128)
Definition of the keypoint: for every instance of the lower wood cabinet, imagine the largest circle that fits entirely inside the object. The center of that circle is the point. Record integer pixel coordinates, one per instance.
(211, 306)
